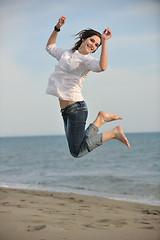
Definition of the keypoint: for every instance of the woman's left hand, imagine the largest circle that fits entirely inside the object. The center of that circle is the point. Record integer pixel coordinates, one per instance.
(106, 34)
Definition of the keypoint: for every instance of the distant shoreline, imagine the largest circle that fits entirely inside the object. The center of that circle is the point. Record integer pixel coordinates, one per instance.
(63, 135)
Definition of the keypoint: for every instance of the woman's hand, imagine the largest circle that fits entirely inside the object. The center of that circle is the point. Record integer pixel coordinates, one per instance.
(53, 37)
(106, 36)
(61, 22)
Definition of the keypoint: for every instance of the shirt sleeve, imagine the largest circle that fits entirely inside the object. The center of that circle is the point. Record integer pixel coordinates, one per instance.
(55, 51)
(92, 64)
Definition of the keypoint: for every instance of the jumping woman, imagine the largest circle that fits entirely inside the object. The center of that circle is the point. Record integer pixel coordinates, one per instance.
(66, 83)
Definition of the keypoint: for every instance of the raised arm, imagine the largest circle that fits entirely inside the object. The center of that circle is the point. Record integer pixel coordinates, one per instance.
(53, 37)
(104, 57)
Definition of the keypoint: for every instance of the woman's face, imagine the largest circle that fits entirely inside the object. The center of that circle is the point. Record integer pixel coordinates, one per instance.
(89, 45)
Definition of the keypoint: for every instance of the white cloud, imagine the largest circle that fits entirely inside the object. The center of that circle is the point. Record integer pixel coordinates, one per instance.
(136, 39)
(129, 92)
(25, 108)
(12, 13)
(139, 8)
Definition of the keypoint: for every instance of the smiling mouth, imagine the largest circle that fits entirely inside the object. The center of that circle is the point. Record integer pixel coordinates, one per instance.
(90, 47)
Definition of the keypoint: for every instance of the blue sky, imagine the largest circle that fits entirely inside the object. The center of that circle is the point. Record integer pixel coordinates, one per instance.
(130, 87)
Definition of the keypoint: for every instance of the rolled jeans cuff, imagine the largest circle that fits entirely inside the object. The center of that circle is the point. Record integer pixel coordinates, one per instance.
(94, 141)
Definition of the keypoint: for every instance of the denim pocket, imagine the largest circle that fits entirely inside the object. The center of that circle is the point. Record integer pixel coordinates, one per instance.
(72, 110)
(82, 108)
(78, 114)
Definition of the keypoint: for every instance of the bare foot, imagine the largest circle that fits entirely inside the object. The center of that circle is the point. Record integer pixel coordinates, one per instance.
(119, 135)
(108, 117)
(104, 117)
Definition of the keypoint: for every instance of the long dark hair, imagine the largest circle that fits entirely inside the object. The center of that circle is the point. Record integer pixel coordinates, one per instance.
(84, 34)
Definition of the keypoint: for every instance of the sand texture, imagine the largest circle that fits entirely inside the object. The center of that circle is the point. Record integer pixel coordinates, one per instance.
(40, 215)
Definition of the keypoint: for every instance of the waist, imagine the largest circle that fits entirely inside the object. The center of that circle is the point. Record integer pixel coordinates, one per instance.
(64, 103)
(74, 104)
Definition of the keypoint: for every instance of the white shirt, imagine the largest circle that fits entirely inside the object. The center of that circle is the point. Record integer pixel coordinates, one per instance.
(70, 72)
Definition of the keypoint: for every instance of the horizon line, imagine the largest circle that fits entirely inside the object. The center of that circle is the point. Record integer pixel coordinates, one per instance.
(52, 135)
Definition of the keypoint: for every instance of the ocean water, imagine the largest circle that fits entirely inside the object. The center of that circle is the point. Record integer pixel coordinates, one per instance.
(112, 170)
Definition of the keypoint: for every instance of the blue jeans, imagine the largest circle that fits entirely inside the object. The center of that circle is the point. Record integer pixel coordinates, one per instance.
(80, 141)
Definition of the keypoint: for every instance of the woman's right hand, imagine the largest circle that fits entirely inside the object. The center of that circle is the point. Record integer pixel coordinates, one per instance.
(61, 22)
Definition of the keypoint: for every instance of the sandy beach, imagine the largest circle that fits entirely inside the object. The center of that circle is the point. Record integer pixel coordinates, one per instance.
(41, 215)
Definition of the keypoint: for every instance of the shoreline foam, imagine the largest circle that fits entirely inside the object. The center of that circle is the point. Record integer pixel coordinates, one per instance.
(134, 199)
